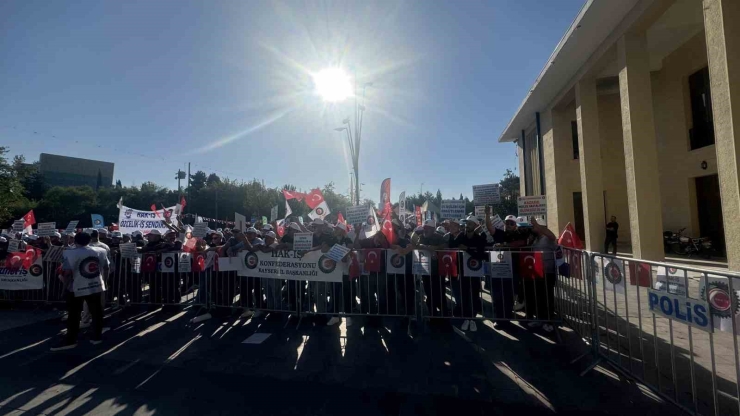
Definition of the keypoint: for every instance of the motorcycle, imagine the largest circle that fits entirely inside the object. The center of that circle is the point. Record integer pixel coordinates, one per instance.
(677, 243)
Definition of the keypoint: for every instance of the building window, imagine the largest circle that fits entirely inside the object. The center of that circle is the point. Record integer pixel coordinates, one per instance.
(574, 135)
(702, 132)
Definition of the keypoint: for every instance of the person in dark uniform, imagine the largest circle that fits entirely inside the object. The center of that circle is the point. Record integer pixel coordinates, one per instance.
(611, 235)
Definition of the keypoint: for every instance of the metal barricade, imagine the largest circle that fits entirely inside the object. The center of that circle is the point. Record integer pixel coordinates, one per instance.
(574, 294)
(673, 328)
(230, 290)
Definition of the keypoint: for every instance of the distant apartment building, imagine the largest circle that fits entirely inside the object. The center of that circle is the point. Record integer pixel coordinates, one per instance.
(72, 171)
(637, 115)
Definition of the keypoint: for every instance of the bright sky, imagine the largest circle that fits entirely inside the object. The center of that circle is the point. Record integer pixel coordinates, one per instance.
(227, 86)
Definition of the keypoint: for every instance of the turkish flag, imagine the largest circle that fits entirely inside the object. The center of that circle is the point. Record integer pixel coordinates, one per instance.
(215, 261)
(199, 262)
(372, 260)
(280, 228)
(354, 265)
(640, 274)
(531, 265)
(189, 245)
(575, 265)
(149, 263)
(385, 196)
(29, 219)
(388, 228)
(16, 260)
(293, 195)
(314, 198)
(340, 219)
(569, 238)
(31, 255)
(447, 263)
(182, 203)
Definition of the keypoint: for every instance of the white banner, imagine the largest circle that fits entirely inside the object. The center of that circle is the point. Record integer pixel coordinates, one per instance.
(473, 267)
(486, 194)
(240, 222)
(167, 265)
(452, 209)
(200, 229)
(185, 263)
(130, 220)
(532, 205)
(395, 263)
(273, 213)
(613, 273)
(46, 229)
(22, 279)
(500, 265)
(356, 215)
(288, 264)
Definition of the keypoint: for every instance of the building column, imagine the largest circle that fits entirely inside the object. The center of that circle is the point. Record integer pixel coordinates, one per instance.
(722, 28)
(589, 148)
(640, 148)
(556, 141)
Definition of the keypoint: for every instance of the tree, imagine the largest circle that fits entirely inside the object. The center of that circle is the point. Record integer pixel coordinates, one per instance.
(11, 190)
(438, 198)
(118, 184)
(198, 180)
(99, 182)
(461, 197)
(212, 179)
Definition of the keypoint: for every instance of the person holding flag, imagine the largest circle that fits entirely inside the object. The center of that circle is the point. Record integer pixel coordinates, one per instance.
(542, 291)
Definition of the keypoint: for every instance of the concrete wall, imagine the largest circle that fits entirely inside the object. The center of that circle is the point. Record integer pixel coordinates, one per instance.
(612, 163)
(672, 110)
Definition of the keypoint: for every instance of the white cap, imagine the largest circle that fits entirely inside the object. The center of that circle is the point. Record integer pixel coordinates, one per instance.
(3, 240)
(430, 223)
(270, 234)
(267, 227)
(472, 219)
(188, 229)
(521, 219)
(220, 234)
(154, 232)
(251, 230)
(102, 231)
(116, 234)
(342, 226)
(137, 232)
(57, 235)
(295, 226)
(318, 221)
(72, 233)
(510, 218)
(441, 230)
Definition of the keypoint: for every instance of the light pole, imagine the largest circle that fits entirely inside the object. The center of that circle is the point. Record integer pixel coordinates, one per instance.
(354, 145)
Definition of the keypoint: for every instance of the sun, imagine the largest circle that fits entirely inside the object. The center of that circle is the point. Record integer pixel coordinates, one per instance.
(332, 84)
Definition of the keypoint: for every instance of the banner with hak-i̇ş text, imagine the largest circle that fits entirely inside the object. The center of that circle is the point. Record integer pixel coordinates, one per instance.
(313, 266)
(130, 220)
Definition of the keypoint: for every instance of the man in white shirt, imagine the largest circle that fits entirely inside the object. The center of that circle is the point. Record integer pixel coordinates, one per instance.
(83, 271)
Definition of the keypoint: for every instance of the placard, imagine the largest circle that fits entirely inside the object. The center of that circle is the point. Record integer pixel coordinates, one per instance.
(672, 280)
(498, 223)
(500, 266)
(337, 252)
(288, 264)
(356, 215)
(18, 226)
(422, 263)
(452, 209)
(480, 212)
(13, 245)
(486, 194)
(532, 205)
(71, 227)
(402, 207)
(46, 229)
(273, 213)
(240, 222)
(302, 241)
(184, 262)
(200, 229)
(128, 250)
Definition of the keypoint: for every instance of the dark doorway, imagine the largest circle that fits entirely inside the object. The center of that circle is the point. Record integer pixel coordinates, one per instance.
(578, 215)
(709, 208)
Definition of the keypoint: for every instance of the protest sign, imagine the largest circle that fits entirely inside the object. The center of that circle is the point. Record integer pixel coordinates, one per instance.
(46, 229)
(486, 194)
(13, 245)
(264, 220)
(54, 254)
(337, 252)
(289, 264)
(498, 223)
(130, 220)
(71, 227)
(422, 263)
(480, 212)
(20, 278)
(200, 229)
(184, 263)
(18, 226)
(273, 213)
(302, 241)
(402, 206)
(452, 209)
(356, 215)
(532, 205)
(673, 280)
(500, 265)
(240, 222)
(128, 250)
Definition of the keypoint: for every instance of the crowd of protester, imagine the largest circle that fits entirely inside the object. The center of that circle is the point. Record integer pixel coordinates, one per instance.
(394, 296)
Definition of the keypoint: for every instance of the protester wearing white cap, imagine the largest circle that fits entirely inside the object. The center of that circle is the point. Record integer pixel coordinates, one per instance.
(430, 241)
(250, 287)
(541, 302)
(466, 289)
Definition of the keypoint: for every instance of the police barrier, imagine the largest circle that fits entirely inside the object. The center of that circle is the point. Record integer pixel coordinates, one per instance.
(673, 328)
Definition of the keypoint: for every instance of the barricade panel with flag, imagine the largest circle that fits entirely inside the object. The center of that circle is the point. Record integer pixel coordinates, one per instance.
(447, 263)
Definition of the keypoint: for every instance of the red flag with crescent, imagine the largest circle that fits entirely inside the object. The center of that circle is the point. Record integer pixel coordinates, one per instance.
(31, 255)
(531, 265)
(569, 238)
(447, 263)
(314, 198)
(16, 260)
(199, 262)
(387, 228)
(293, 195)
(354, 265)
(385, 197)
(29, 219)
(340, 219)
(640, 274)
(149, 263)
(372, 260)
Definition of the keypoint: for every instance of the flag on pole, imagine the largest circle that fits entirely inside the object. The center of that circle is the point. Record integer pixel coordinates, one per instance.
(314, 198)
(120, 203)
(385, 197)
(97, 221)
(293, 195)
(288, 211)
(569, 238)
(321, 211)
(28, 220)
